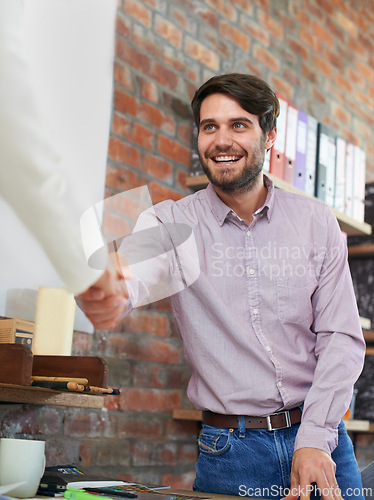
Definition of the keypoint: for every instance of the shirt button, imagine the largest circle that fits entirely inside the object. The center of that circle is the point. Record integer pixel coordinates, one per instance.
(279, 384)
(267, 348)
(255, 311)
(248, 233)
(251, 272)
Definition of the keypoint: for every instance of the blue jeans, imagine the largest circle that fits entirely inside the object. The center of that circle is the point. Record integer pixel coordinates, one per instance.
(257, 462)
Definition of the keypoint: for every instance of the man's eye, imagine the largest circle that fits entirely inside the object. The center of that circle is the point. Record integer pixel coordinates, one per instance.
(239, 125)
(209, 126)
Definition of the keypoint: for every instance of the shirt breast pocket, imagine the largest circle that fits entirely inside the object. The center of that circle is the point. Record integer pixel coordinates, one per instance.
(294, 297)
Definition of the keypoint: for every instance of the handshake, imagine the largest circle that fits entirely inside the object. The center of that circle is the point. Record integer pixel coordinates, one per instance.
(105, 302)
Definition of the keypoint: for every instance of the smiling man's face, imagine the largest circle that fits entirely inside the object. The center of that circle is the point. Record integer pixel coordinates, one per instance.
(231, 143)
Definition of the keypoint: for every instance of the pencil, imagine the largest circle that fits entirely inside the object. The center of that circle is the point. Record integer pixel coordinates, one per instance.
(82, 381)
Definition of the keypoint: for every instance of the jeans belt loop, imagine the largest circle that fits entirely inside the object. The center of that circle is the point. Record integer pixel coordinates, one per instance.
(286, 414)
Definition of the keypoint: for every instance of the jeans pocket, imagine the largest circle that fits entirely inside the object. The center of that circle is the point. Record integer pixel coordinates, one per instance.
(214, 440)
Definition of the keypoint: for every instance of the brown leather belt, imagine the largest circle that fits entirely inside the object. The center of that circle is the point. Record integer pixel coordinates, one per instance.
(279, 420)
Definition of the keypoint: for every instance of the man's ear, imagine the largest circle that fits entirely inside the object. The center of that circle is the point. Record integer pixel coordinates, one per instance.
(270, 138)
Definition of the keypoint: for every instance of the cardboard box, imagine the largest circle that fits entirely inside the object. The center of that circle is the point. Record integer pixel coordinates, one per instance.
(16, 331)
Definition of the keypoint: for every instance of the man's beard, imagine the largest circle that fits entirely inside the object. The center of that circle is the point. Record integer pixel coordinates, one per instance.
(244, 180)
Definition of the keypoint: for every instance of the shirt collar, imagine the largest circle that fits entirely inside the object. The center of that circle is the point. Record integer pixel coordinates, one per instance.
(220, 210)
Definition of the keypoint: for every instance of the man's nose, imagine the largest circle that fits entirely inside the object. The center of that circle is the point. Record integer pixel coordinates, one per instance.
(223, 138)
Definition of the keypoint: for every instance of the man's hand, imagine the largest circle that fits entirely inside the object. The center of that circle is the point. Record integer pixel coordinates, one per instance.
(105, 302)
(311, 465)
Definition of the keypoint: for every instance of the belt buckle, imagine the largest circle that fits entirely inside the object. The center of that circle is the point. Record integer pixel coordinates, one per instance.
(287, 416)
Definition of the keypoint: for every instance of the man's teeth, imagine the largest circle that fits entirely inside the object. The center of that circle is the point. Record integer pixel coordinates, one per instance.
(226, 158)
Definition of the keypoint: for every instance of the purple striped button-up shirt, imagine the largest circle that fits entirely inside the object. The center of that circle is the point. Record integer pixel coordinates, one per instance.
(271, 322)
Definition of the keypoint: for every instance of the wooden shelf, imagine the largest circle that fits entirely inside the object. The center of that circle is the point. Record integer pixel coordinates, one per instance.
(369, 336)
(361, 251)
(347, 224)
(10, 393)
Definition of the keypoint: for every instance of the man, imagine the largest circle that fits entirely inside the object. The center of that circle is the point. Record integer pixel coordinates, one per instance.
(270, 327)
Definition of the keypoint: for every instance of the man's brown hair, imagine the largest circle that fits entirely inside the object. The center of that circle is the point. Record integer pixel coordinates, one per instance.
(253, 94)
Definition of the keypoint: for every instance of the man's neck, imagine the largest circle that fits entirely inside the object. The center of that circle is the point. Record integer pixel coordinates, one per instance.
(245, 203)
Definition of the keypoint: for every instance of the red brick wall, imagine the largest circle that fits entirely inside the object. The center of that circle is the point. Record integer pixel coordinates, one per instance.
(318, 54)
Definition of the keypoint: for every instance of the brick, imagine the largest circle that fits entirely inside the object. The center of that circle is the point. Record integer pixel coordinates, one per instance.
(119, 373)
(174, 150)
(122, 178)
(125, 102)
(340, 113)
(122, 75)
(187, 454)
(319, 96)
(344, 83)
(209, 17)
(179, 17)
(161, 193)
(168, 31)
(264, 56)
(78, 423)
(26, 420)
(213, 38)
(293, 78)
(177, 377)
(323, 66)
(82, 344)
(365, 99)
(356, 47)
(152, 400)
(289, 25)
(198, 51)
(244, 5)
(281, 87)
(310, 40)
(145, 40)
(334, 59)
(184, 132)
(356, 77)
(114, 226)
(155, 117)
(134, 132)
(367, 43)
(140, 425)
(298, 48)
(61, 450)
(235, 35)
(311, 8)
(251, 27)
(100, 453)
(362, 129)
(326, 6)
(124, 153)
(123, 25)
(157, 167)
(264, 4)
(224, 8)
(183, 481)
(336, 31)
(151, 349)
(324, 35)
(181, 177)
(346, 23)
(152, 454)
(268, 22)
(365, 70)
(152, 323)
(181, 430)
(300, 15)
(165, 76)
(148, 90)
(308, 72)
(146, 374)
(137, 11)
(132, 56)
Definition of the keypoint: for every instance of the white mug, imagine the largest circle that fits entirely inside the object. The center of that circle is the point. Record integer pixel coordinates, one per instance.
(21, 461)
